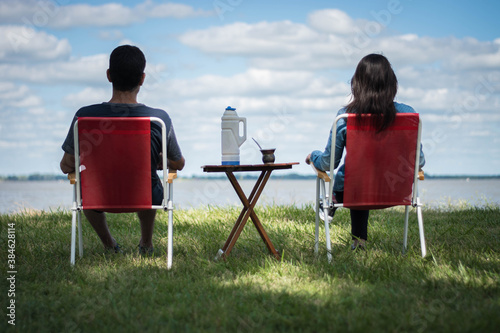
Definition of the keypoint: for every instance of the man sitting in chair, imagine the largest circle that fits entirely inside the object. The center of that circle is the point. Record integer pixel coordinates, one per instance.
(126, 73)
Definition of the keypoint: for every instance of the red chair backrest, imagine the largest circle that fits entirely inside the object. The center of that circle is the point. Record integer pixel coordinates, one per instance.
(380, 167)
(115, 159)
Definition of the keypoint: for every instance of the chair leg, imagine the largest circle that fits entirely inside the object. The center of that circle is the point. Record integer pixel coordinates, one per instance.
(405, 234)
(73, 237)
(328, 242)
(170, 207)
(421, 228)
(80, 236)
(326, 206)
(316, 239)
(170, 239)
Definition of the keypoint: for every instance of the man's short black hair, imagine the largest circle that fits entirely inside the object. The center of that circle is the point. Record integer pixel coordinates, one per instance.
(126, 66)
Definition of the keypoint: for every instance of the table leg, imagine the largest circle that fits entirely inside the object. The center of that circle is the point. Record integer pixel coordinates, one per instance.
(240, 193)
(251, 201)
(247, 211)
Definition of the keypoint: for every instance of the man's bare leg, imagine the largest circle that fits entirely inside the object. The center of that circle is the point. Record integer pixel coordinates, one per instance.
(98, 221)
(147, 218)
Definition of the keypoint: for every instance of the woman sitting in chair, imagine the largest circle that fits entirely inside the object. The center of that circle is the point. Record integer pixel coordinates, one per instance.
(373, 87)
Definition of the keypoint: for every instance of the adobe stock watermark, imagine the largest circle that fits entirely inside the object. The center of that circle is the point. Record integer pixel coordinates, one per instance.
(156, 75)
(251, 322)
(44, 11)
(483, 91)
(94, 137)
(221, 7)
(405, 170)
(11, 273)
(276, 125)
(363, 36)
(420, 322)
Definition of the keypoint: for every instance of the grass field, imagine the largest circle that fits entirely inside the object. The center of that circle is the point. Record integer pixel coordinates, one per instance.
(454, 289)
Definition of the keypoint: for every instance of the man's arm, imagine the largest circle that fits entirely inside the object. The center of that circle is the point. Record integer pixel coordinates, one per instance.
(173, 165)
(176, 165)
(67, 163)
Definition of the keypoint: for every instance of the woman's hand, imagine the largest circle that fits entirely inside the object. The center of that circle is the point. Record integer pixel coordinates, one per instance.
(308, 159)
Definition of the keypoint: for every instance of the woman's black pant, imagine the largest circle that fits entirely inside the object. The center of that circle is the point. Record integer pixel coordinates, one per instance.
(359, 219)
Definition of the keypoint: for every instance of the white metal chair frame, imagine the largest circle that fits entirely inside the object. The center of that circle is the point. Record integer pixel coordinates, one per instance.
(167, 204)
(323, 177)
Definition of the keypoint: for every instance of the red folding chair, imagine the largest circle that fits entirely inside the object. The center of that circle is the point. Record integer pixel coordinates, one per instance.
(113, 171)
(381, 171)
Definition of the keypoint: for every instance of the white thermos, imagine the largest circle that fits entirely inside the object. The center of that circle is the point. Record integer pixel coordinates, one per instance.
(231, 140)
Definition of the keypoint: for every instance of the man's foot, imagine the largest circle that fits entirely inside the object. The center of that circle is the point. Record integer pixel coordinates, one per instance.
(115, 249)
(146, 251)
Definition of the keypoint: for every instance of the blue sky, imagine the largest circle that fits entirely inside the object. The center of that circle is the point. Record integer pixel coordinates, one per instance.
(284, 65)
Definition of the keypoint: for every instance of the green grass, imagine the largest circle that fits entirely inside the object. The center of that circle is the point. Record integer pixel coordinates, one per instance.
(454, 289)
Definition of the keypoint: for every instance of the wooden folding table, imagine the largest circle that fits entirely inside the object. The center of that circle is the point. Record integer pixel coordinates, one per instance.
(248, 203)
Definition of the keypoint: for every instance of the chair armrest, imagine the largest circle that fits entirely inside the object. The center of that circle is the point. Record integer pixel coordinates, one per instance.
(421, 175)
(321, 174)
(172, 174)
(72, 178)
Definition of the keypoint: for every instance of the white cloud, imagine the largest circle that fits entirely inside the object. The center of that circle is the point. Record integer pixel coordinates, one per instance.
(490, 59)
(87, 96)
(26, 123)
(263, 39)
(175, 10)
(14, 97)
(10, 92)
(253, 82)
(333, 40)
(49, 13)
(83, 70)
(421, 98)
(106, 15)
(22, 43)
(111, 34)
(28, 102)
(480, 133)
(272, 45)
(335, 21)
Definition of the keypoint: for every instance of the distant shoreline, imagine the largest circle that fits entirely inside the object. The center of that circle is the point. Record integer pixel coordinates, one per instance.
(292, 176)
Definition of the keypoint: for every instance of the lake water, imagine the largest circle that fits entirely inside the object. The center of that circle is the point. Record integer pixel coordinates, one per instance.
(17, 196)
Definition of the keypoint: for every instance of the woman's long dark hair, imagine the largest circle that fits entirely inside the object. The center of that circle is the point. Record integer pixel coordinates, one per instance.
(374, 87)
